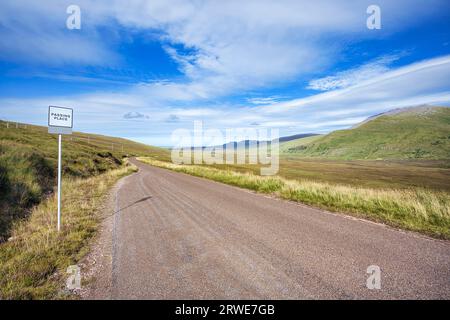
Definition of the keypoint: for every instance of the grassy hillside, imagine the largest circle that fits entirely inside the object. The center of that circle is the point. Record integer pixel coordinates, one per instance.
(397, 132)
(416, 133)
(296, 145)
(28, 162)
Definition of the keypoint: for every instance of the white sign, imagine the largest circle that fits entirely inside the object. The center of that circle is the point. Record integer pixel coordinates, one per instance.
(60, 117)
(60, 120)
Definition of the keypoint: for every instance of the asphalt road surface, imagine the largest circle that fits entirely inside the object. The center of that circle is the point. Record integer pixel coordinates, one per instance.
(175, 236)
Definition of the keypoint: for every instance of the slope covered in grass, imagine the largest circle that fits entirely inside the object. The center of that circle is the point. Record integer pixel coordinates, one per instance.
(296, 145)
(28, 164)
(33, 265)
(414, 133)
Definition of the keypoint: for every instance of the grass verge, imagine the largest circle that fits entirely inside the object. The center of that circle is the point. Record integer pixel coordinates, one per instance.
(414, 209)
(28, 162)
(33, 263)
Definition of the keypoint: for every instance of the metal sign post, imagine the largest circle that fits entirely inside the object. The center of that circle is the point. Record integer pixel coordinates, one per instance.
(60, 121)
(59, 182)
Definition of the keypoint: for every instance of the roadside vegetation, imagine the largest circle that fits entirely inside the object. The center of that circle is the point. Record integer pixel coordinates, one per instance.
(34, 261)
(28, 164)
(33, 255)
(382, 174)
(414, 209)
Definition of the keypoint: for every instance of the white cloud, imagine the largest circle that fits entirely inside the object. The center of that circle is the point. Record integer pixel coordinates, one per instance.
(232, 45)
(240, 45)
(415, 80)
(354, 76)
(265, 100)
(35, 32)
(134, 115)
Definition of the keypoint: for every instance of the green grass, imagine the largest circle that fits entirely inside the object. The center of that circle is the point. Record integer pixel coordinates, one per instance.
(33, 264)
(296, 145)
(411, 209)
(417, 133)
(404, 174)
(28, 162)
(401, 174)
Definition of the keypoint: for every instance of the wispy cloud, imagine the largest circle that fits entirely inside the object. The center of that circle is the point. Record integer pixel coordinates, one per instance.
(172, 118)
(348, 78)
(35, 33)
(265, 100)
(135, 115)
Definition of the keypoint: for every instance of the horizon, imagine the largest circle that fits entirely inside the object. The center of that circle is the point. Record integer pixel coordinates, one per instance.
(306, 134)
(142, 72)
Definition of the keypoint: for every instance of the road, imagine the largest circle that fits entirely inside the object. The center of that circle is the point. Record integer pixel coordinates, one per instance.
(175, 236)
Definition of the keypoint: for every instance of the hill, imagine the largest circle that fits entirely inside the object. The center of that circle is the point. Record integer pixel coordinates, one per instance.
(247, 143)
(28, 162)
(297, 137)
(295, 145)
(404, 134)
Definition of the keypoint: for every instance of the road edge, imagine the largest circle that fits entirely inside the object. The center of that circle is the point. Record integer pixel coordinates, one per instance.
(97, 266)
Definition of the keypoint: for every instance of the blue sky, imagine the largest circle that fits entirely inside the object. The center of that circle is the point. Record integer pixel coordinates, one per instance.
(141, 69)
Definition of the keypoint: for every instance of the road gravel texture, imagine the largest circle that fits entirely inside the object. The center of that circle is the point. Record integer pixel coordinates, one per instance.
(175, 236)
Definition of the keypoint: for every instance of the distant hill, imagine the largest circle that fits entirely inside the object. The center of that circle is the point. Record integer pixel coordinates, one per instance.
(248, 143)
(297, 136)
(296, 145)
(409, 133)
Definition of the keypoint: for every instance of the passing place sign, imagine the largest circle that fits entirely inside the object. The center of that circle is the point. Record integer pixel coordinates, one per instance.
(60, 120)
